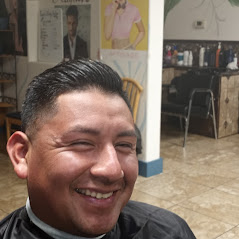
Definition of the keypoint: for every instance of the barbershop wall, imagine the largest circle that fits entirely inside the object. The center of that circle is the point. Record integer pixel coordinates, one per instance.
(143, 64)
(203, 19)
(126, 63)
(28, 67)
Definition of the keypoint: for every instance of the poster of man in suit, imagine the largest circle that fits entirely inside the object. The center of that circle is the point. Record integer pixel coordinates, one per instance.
(76, 30)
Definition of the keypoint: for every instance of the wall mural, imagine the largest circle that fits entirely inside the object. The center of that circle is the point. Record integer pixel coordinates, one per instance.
(215, 13)
(215, 8)
(170, 4)
(234, 2)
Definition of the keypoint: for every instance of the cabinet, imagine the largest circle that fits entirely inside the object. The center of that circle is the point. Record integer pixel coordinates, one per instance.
(167, 75)
(8, 79)
(226, 107)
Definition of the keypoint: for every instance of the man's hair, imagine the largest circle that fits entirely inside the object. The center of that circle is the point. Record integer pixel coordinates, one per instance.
(75, 75)
(72, 11)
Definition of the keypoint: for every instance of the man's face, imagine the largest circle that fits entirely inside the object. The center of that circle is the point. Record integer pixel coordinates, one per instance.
(14, 4)
(121, 3)
(76, 160)
(72, 23)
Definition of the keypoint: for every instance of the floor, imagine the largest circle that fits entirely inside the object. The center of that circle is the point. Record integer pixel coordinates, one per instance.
(200, 183)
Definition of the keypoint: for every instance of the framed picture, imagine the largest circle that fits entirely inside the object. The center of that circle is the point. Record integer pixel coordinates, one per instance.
(76, 30)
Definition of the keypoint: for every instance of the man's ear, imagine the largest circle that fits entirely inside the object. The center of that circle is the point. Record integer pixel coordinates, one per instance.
(17, 148)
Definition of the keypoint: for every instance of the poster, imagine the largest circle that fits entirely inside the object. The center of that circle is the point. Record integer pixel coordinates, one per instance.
(76, 30)
(124, 24)
(17, 23)
(50, 35)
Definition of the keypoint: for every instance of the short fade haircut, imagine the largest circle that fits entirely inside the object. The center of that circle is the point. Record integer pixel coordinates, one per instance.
(76, 75)
(72, 11)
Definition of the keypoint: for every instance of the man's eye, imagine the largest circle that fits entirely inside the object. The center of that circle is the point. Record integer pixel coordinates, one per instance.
(81, 146)
(81, 143)
(125, 145)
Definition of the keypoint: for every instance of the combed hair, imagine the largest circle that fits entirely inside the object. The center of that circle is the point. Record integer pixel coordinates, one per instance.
(72, 11)
(75, 75)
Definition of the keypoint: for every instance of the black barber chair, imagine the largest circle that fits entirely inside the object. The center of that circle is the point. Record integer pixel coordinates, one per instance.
(191, 94)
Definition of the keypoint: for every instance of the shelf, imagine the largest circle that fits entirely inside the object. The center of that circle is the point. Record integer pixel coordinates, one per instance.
(6, 56)
(6, 105)
(7, 78)
(8, 101)
(6, 30)
(6, 81)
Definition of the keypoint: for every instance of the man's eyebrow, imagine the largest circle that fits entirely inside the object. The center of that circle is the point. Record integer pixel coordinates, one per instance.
(82, 129)
(93, 131)
(131, 133)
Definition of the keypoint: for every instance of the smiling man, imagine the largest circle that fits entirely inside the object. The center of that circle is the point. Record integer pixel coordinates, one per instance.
(77, 150)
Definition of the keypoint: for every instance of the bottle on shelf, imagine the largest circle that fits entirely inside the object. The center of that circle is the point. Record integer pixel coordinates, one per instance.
(206, 56)
(168, 55)
(217, 54)
(201, 56)
(185, 57)
(235, 59)
(190, 58)
(180, 58)
(226, 55)
(212, 57)
(230, 55)
(222, 58)
(174, 56)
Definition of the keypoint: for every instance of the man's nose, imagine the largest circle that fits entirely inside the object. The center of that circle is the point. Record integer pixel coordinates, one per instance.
(107, 166)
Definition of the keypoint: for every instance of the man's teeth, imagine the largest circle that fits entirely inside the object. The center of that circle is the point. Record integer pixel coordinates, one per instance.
(93, 194)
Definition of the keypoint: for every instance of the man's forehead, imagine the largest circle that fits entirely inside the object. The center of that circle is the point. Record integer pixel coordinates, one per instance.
(88, 96)
(71, 18)
(93, 99)
(96, 130)
(89, 90)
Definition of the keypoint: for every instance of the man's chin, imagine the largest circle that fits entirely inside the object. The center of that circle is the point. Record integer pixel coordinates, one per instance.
(72, 35)
(96, 230)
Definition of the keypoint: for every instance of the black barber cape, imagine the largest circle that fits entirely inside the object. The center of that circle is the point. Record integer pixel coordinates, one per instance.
(137, 221)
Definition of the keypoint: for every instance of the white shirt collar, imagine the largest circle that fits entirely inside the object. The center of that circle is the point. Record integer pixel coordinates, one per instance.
(72, 45)
(53, 232)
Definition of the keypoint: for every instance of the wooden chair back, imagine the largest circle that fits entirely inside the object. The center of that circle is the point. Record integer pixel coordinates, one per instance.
(133, 90)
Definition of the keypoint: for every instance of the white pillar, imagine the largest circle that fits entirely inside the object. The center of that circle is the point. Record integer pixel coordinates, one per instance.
(153, 163)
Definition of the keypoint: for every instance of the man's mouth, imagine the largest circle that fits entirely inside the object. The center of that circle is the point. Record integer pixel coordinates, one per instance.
(94, 194)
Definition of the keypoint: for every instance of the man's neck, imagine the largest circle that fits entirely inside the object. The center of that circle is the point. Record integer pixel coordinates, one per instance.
(53, 232)
(72, 38)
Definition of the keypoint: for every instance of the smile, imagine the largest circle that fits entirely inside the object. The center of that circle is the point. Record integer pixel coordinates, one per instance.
(93, 194)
